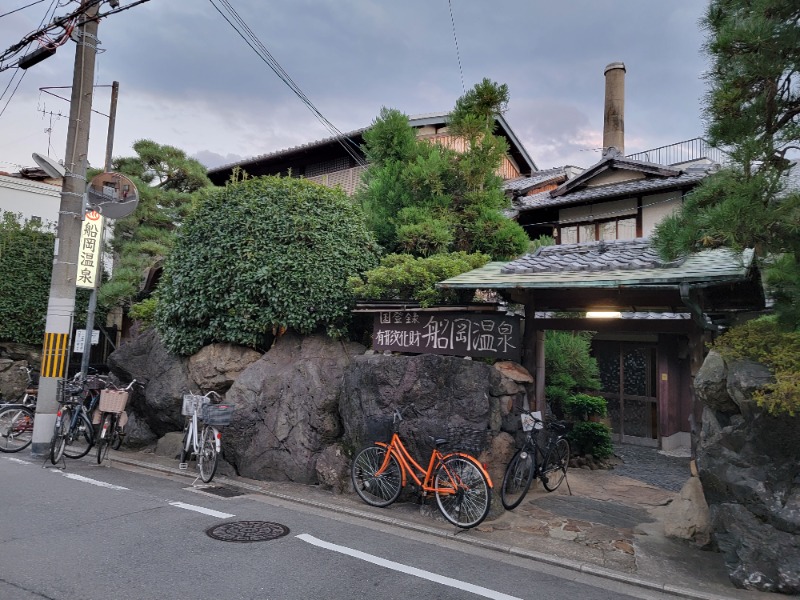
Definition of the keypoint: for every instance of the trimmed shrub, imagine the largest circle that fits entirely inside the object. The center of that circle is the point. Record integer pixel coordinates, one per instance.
(587, 437)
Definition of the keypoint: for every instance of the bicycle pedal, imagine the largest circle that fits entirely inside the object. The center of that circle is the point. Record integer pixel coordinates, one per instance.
(183, 466)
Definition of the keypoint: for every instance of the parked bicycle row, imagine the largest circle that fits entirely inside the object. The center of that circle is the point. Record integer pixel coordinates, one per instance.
(92, 413)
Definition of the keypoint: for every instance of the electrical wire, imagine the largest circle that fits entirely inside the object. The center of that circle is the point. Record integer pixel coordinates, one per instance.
(250, 38)
(11, 12)
(455, 39)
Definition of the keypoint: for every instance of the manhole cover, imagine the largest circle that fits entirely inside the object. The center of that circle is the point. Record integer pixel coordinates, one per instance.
(247, 531)
(222, 492)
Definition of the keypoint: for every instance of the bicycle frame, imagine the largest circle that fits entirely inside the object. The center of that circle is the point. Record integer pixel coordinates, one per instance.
(193, 435)
(422, 477)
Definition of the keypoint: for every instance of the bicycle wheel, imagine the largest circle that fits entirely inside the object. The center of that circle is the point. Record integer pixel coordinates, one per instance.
(207, 458)
(517, 479)
(104, 439)
(462, 491)
(16, 429)
(60, 435)
(376, 487)
(556, 463)
(81, 439)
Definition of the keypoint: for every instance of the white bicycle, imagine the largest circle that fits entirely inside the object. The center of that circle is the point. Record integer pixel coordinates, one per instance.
(205, 444)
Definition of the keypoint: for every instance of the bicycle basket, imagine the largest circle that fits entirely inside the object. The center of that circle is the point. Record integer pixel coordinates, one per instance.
(113, 401)
(192, 403)
(465, 439)
(68, 391)
(218, 414)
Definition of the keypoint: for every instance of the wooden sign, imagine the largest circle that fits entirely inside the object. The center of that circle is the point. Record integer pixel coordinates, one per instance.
(458, 334)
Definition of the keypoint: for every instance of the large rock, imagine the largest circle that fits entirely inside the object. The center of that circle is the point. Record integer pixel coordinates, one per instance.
(165, 377)
(287, 408)
(217, 366)
(749, 464)
(13, 379)
(710, 384)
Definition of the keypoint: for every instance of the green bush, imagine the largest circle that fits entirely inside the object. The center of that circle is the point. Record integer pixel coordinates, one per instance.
(582, 406)
(26, 262)
(591, 438)
(404, 277)
(144, 311)
(763, 341)
(258, 256)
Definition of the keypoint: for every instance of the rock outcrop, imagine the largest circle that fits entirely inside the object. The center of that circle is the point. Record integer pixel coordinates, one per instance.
(12, 379)
(287, 408)
(749, 464)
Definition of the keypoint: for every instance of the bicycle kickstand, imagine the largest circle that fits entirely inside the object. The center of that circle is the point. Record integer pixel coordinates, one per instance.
(62, 461)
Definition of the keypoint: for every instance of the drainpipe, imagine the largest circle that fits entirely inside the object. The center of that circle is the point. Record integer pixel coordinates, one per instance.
(698, 316)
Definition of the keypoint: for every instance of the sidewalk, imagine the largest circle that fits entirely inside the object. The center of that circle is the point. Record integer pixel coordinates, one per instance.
(611, 525)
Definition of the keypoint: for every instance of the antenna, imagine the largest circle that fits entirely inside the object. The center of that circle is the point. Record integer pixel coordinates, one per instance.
(49, 166)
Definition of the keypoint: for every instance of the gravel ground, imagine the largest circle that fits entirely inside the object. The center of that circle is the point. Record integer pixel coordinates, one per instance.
(652, 466)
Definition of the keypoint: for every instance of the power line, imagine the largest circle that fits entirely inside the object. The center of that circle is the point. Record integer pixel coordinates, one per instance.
(258, 47)
(11, 12)
(455, 39)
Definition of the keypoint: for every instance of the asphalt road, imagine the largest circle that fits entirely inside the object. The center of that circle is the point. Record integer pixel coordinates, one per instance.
(98, 532)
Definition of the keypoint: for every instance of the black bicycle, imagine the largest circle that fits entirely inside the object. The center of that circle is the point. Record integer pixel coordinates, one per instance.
(73, 433)
(549, 462)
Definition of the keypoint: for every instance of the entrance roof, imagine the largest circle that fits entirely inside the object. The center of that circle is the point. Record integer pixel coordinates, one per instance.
(621, 275)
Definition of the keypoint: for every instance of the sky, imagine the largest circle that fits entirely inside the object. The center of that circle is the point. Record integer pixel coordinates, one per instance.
(187, 79)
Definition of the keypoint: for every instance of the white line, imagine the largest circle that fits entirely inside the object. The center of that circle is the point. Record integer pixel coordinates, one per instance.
(18, 460)
(200, 509)
(467, 587)
(102, 484)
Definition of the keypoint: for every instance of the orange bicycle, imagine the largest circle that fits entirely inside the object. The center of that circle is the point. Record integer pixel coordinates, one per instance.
(461, 485)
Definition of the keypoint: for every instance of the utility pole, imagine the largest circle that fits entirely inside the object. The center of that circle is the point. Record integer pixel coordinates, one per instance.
(87, 344)
(61, 304)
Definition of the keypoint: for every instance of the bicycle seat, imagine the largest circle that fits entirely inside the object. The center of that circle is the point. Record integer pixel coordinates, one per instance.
(557, 426)
(438, 441)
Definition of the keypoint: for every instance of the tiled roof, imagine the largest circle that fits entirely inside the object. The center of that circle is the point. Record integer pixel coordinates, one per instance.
(536, 178)
(598, 256)
(719, 265)
(414, 120)
(793, 178)
(635, 187)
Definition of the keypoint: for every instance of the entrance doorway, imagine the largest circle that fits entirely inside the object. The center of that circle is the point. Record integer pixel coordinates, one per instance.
(628, 375)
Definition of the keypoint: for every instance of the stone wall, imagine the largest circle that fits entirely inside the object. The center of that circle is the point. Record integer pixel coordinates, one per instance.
(749, 465)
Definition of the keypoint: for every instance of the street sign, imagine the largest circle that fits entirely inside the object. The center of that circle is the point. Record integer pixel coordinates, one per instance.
(89, 247)
(80, 339)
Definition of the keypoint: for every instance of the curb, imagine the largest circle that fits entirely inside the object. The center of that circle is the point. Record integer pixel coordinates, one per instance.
(565, 563)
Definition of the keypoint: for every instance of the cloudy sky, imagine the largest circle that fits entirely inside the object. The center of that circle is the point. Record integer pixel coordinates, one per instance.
(187, 79)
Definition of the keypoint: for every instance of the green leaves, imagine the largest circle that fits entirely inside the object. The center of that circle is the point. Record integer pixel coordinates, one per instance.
(423, 196)
(261, 255)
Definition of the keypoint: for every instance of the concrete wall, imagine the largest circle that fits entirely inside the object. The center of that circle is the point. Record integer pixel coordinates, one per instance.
(30, 198)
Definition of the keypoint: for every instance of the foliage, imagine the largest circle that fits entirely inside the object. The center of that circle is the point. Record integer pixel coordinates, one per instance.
(569, 367)
(403, 277)
(167, 182)
(582, 406)
(542, 240)
(762, 340)
(592, 438)
(144, 311)
(426, 198)
(752, 109)
(26, 261)
(258, 256)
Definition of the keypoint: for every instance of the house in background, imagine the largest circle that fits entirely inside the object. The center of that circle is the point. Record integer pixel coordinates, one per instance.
(339, 161)
(657, 315)
(31, 193)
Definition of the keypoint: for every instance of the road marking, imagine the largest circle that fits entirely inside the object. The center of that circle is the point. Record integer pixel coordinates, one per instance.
(200, 509)
(83, 479)
(18, 460)
(467, 587)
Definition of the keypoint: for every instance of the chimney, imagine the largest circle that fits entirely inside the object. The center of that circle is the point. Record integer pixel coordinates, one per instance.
(614, 115)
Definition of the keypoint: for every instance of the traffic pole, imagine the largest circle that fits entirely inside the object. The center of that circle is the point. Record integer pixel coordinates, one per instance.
(61, 303)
